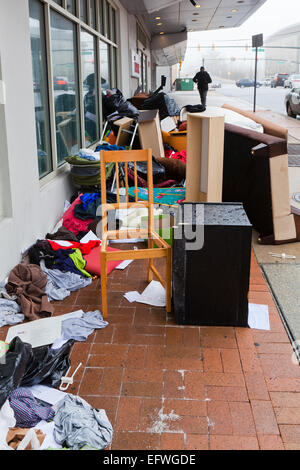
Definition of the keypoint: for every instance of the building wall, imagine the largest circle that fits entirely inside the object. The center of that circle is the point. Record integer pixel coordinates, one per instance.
(283, 51)
(30, 211)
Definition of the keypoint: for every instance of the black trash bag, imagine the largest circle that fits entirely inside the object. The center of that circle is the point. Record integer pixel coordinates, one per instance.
(116, 102)
(196, 108)
(48, 366)
(23, 366)
(13, 367)
(158, 170)
(165, 105)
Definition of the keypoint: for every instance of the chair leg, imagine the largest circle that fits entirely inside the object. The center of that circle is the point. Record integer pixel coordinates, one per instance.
(169, 281)
(150, 272)
(104, 284)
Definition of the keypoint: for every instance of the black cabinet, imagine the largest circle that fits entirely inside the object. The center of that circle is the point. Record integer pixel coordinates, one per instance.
(211, 272)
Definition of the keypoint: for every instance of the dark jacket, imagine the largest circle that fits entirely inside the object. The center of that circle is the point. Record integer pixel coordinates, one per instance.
(202, 79)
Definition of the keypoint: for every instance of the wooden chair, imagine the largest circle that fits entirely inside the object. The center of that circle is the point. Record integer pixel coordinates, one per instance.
(163, 250)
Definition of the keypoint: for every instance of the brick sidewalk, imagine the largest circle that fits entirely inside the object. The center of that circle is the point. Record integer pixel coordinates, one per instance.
(164, 386)
(169, 387)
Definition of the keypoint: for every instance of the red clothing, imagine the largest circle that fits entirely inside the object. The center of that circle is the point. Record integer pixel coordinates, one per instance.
(85, 248)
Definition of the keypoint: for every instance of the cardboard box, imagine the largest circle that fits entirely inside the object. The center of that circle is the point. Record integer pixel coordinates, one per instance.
(205, 154)
(123, 138)
(150, 132)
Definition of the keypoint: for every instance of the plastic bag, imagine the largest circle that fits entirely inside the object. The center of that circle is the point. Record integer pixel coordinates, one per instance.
(25, 366)
(165, 105)
(116, 102)
(158, 170)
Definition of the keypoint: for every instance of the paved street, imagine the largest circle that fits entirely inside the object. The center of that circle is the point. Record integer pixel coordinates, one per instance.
(266, 97)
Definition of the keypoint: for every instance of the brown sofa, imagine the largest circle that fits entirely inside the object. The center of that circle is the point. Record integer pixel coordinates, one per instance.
(255, 172)
(285, 219)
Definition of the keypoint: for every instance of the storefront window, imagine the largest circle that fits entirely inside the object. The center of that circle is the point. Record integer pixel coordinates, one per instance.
(114, 66)
(71, 6)
(90, 88)
(105, 66)
(65, 85)
(113, 25)
(83, 10)
(107, 19)
(93, 14)
(101, 16)
(40, 82)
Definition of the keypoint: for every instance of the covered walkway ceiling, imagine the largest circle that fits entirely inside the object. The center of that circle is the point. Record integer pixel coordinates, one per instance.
(169, 21)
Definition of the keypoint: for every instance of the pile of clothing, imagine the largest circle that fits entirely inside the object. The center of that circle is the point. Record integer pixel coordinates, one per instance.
(70, 424)
(29, 418)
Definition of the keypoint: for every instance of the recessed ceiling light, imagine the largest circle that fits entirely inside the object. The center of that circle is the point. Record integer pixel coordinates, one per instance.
(159, 24)
(157, 17)
(234, 10)
(161, 32)
(198, 6)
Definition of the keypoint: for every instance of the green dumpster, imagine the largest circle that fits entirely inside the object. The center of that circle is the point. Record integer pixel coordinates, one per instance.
(184, 84)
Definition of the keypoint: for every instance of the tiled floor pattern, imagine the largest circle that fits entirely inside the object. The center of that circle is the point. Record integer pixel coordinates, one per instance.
(164, 386)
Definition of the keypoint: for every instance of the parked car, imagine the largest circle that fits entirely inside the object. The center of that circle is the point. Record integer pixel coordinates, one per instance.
(292, 102)
(267, 81)
(60, 83)
(293, 81)
(247, 82)
(279, 79)
(215, 85)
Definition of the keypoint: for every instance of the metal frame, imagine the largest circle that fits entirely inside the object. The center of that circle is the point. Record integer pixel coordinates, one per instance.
(50, 5)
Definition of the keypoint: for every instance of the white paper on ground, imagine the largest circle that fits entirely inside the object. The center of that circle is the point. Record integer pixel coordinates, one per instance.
(132, 296)
(154, 294)
(124, 264)
(89, 236)
(64, 243)
(47, 394)
(38, 332)
(258, 317)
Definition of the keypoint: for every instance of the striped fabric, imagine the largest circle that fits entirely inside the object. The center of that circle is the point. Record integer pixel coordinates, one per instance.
(28, 412)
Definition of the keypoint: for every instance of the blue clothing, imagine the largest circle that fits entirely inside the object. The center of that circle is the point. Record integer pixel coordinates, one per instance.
(64, 263)
(28, 413)
(109, 147)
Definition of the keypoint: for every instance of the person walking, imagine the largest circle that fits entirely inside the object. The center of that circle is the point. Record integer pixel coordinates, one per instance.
(202, 79)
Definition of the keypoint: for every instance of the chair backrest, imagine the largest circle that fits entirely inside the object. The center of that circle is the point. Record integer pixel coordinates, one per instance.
(124, 157)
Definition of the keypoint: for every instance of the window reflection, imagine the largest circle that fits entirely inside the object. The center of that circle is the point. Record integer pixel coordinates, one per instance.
(65, 85)
(71, 6)
(101, 16)
(90, 88)
(39, 70)
(114, 66)
(93, 14)
(83, 10)
(105, 66)
(113, 25)
(107, 19)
